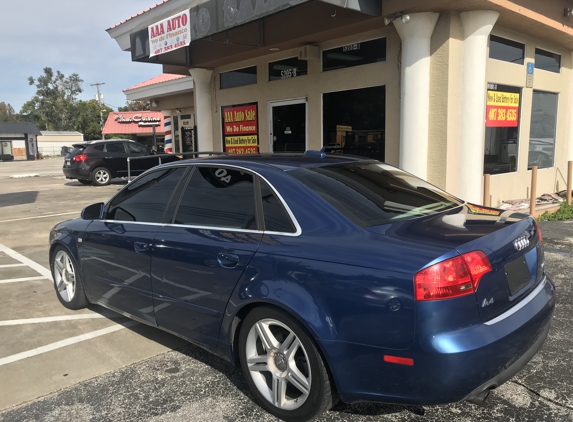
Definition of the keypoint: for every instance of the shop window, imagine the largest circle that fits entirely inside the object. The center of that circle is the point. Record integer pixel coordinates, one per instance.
(542, 134)
(545, 60)
(502, 129)
(506, 50)
(238, 77)
(355, 54)
(287, 69)
(354, 122)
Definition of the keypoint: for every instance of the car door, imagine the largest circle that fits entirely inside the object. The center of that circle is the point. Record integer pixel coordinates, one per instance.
(144, 159)
(115, 159)
(116, 251)
(199, 257)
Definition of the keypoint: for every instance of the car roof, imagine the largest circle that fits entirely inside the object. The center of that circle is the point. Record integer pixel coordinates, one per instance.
(100, 141)
(281, 161)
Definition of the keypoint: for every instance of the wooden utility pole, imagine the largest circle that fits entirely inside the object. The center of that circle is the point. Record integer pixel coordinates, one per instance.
(97, 85)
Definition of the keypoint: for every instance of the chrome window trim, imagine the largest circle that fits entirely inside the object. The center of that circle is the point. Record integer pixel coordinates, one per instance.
(298, 229)
(131, 222)
(520, 305)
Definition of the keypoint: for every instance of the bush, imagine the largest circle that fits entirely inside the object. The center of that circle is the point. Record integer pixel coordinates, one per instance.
(565, 212)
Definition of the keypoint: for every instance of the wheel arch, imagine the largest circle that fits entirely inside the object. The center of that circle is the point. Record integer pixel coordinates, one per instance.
(242, 312)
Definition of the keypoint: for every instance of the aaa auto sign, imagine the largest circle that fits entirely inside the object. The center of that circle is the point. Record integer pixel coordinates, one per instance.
(240, 128)
(502, 106)
(169, 34)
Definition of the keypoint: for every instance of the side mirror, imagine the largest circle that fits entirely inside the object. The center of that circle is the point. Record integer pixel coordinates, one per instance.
(93, 212)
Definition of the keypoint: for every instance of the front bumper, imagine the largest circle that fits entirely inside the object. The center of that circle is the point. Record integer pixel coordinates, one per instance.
(448, 367)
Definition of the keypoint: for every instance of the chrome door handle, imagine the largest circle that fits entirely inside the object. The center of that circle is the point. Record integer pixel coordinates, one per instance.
(227, 260)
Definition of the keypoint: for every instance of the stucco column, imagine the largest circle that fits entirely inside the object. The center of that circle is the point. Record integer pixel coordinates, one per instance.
(477, 27)
(203, 108)
(415, 104)
(168, 130)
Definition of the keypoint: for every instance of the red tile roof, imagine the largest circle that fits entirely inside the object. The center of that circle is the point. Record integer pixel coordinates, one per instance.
(156, 80)
(139, 14)
(133, 122)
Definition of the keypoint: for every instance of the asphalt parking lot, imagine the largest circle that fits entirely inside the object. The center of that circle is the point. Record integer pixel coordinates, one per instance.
(94, 365)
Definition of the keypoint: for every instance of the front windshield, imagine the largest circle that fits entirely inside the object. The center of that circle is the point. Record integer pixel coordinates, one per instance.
(373, 193)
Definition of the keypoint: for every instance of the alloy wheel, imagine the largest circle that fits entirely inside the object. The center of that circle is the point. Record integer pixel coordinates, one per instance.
(64, 276)
(278, 364)
(101, 177)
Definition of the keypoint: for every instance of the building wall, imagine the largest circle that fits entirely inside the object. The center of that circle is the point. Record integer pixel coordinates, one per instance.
(312, 86)
(516, 185)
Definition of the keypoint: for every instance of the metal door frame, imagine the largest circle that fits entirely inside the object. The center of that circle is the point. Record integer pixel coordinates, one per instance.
(280, 103)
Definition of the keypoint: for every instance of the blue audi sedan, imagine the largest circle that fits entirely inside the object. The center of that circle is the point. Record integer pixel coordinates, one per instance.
(324, 277)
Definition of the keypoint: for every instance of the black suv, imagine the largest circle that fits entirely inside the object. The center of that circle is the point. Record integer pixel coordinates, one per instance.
(98, 162)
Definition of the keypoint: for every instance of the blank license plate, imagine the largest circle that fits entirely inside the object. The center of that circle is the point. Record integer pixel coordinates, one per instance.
(67, 162)
(517, 273)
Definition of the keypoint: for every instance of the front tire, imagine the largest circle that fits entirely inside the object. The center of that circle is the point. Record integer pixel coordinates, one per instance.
(283, 367)
(67, 281)
(101, 176)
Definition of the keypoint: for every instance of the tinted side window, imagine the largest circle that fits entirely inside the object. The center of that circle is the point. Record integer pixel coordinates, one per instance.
(218, 197)
(98, 147)
(136, 148)
(146, 198)
(115, 147)
(276, 217)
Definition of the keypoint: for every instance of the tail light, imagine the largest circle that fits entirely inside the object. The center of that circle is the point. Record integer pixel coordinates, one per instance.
(538, 231)
(451, 278)
(80, 157)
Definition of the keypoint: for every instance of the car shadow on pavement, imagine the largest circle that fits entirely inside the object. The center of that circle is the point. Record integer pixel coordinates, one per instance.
(75, 183)
(18, 198)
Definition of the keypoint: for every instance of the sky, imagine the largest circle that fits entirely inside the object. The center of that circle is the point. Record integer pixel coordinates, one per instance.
(69, 36)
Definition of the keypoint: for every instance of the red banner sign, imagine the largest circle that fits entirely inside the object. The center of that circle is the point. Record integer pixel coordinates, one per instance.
(241, 129)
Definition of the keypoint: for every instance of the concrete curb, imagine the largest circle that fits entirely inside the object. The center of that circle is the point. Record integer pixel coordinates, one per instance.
(21, 176)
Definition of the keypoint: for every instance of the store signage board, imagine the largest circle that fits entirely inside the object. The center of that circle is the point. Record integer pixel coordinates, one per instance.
(502, 107)
(241, 128)
(169, 34)
(530, 72)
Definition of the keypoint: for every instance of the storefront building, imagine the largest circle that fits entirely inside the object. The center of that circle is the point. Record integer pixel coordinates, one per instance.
(51, 143)
(447, 90)
(173, 96)
(18, 141)
(145, 127)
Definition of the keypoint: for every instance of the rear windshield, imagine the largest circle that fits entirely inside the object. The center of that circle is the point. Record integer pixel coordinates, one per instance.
(370, 194)
(74, 152)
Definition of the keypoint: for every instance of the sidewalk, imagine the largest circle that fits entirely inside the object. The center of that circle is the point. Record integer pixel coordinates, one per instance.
(46, 167)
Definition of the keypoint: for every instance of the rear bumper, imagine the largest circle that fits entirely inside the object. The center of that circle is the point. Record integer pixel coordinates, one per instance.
(448, 366)
(77, 173)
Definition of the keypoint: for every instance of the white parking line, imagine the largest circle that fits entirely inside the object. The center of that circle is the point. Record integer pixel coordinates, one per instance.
(12, 265)
(64, 343)
(27, 261)
(15, 280)
(41, 216)
(56, 319)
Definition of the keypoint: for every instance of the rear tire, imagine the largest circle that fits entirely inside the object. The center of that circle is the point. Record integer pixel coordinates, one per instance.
(67, 280)
(101, 176)
(283, 367)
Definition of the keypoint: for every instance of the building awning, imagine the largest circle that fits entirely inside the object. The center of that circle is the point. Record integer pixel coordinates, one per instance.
(133, 122)
(165, 77)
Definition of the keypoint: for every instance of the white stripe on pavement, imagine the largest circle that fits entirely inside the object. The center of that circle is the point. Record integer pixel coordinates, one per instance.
(41, 216)
(12, 265)
(64, 343)
(15, 280)
(57, 318)
(27, 261)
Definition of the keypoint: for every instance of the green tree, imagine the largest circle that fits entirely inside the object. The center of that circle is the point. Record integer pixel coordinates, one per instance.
(7, 113)
(52, 108)
(135, 106)
(87, 120)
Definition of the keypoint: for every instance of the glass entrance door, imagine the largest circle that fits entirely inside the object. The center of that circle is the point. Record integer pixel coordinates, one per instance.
(288, 126)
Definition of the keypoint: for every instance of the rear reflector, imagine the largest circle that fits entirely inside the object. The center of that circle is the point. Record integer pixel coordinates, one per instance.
(81, 157)
(398, 360)
(453, 277)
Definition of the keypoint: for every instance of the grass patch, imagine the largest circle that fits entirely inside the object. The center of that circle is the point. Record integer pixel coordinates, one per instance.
(565, 212)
